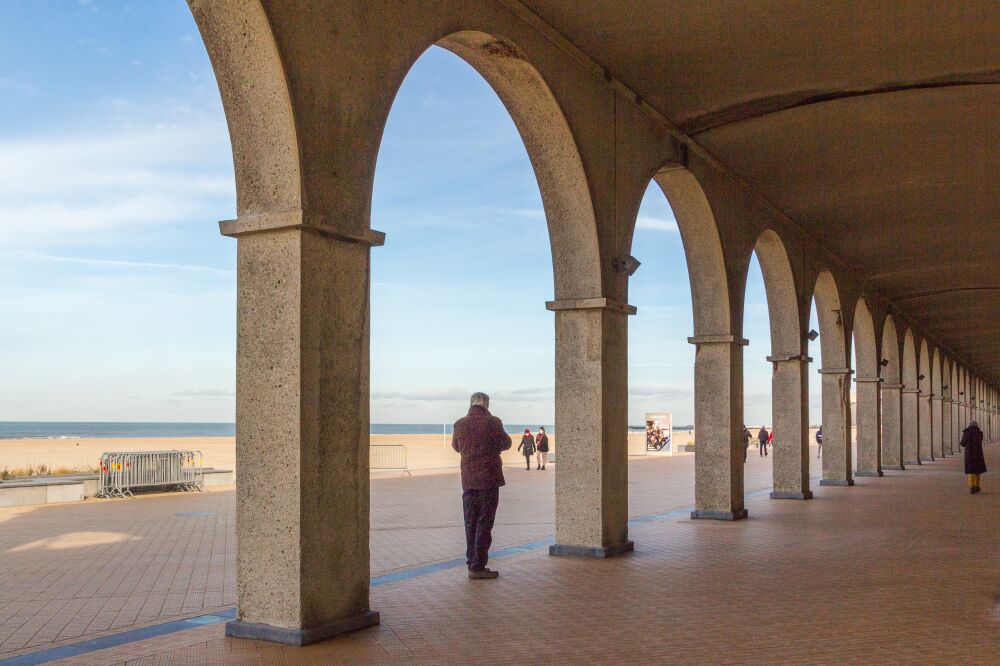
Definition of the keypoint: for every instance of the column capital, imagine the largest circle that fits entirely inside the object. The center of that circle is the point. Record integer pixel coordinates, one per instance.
(782, 358)
(906, 390)
(259, 223)
(590, 304)
(893, 387)
(724, 339)
(868, 380)
(835, 371)
(937, 396)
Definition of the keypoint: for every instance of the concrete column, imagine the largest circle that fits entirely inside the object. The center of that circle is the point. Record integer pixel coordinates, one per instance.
(592, 427)
(911, 427)
(302, 496)
(892, 442)
(924, 435)
(718, 427)
(837, 467)
(937, 425)
(956, 428)
(947, 432)
(869, 412)
(790, 423)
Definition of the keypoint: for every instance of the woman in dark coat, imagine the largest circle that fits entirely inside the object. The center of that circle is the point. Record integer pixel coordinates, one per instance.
(542, 444)
(975, 463)
(527, 447)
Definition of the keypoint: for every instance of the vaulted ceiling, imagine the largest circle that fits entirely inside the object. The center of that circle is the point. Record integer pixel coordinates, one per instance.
(873, 125)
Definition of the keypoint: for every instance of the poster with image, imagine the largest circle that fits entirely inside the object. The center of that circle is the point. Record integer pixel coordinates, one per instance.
(659, 432)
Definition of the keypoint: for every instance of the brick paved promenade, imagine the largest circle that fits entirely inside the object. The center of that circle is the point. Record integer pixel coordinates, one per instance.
(895, 570)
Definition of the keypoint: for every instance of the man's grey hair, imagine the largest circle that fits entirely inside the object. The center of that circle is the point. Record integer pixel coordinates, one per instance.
(480, 399)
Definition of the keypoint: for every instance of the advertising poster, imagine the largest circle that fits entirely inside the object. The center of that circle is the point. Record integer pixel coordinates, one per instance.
(659, 432)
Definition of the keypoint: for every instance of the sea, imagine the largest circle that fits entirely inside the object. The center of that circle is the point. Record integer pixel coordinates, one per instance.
(117, 429)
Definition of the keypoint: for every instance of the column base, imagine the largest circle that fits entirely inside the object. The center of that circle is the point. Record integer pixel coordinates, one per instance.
(867, 473)
(837, 482)
(896, 468)
(565, 550)
(781, 494)
(719, 515)
(298, 637)
(912, 462)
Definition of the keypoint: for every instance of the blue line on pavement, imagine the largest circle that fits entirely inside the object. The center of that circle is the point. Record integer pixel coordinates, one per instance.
(133, 635)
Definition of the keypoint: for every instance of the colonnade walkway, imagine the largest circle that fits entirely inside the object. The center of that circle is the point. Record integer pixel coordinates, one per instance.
(901, 569)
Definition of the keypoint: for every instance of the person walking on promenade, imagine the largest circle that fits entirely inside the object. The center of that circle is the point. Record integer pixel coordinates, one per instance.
(747, 436)
(527, 447)
(542, 446)
(762, 437)
(975, 462)
(480, 437)
(819, 441)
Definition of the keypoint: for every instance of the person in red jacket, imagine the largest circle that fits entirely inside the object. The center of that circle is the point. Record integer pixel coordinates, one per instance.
(480, 437)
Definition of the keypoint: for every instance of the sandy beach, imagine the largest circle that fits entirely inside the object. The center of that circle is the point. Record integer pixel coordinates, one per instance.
(426, 453)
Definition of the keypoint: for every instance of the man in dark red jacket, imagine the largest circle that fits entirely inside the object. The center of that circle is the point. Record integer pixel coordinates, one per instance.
(480, 437)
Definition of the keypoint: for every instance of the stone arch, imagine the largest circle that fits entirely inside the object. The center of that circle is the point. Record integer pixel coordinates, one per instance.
(866, 345)
(702, 248)
(789, 377)
(937, 404)
(868, 402)
(782, 297)
(924, 367)
(553, 152)
(251, 80)
(924, 377)
(910, 411)
(891, 372)
(836, 378)
(909, 363)
(833, 343)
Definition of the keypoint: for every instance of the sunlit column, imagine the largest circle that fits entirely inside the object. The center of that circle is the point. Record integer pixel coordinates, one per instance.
(718, 427)
(911, 426)
(790, 415)
(837, 467)
(869, 413)
(302, 493)
(892, 442)
(591, 427)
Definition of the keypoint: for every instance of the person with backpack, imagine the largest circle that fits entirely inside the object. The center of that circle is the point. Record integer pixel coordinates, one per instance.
(762, 437)
(527, 447)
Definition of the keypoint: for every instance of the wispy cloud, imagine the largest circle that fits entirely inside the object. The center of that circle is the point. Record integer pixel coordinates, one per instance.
(70, 189)
(203, 393)
(116, 263)
(656, 223)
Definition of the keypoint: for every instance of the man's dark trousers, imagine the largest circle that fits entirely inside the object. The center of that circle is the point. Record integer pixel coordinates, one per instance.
(480, 507)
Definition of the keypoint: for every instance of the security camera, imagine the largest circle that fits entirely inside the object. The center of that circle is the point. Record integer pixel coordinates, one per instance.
(627, 265)
(884, 362)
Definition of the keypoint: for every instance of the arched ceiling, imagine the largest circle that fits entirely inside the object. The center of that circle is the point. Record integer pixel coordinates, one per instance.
(873, 125)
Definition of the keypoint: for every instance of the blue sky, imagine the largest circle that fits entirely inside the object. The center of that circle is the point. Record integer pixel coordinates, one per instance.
(118, 293)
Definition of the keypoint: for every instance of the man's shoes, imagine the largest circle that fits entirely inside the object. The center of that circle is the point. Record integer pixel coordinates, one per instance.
(483, 574)
(972, 490)
(975, 489)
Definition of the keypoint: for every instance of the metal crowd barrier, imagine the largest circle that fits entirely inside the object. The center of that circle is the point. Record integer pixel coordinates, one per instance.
(388, 458)
(124, 472)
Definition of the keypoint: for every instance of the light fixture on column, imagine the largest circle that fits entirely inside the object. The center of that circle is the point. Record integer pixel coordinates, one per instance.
(813, 334)
(627, 265)
(944, 386)
(884, 362)
(920, 377)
